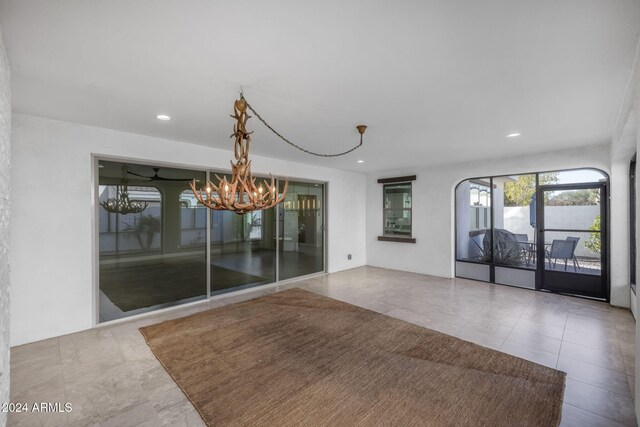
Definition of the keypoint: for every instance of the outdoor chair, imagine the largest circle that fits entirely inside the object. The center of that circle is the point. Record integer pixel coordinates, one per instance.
(528, 249)
(574, 239)
(476, 245)
(522, 237)
(562, 250)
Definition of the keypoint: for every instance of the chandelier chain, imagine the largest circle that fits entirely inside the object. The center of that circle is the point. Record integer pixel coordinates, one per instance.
(296, 145)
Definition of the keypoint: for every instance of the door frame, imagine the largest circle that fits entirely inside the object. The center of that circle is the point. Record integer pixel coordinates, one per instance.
(604, 239)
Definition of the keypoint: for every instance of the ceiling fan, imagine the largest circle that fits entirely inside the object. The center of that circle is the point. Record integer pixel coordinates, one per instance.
(156, 177)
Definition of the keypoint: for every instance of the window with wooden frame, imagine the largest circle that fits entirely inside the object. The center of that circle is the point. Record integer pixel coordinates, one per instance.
(397, 209)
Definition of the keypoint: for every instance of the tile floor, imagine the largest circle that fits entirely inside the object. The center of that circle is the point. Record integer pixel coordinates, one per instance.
(112, 379)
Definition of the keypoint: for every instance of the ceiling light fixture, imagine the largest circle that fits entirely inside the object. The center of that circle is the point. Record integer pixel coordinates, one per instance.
(513, 135)
(360, 161)
(163, 117)
(121, 204)
(241, 194)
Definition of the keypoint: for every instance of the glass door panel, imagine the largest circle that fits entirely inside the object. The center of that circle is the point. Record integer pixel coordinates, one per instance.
(577, 252)
(514, 233)
(473, 220)
(301, 230)
(573, 239)
(243, 249)
(154, 258)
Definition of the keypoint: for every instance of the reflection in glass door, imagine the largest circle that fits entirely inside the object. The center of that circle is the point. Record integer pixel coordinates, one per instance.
(572, 239)
(301, 230)
(243, 250)
(160, 251)
(156, 257)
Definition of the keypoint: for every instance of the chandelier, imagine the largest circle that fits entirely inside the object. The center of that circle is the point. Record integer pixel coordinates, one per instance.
(241, 194)
(121, 204)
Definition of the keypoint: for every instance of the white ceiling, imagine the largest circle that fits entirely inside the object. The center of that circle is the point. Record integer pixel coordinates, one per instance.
(435, 81)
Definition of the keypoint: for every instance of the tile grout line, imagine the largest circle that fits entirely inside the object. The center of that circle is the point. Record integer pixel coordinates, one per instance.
(624, 364)
(602, 389)
(564, 328)
(64, 381)
(593, 413)
(514, 325)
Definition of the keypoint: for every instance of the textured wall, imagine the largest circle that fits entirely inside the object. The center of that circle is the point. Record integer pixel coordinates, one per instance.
(5, 126)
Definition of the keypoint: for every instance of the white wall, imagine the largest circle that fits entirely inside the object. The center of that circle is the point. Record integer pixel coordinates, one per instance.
(53, 210)
(5, 166)
(433, 206)
(626, 142)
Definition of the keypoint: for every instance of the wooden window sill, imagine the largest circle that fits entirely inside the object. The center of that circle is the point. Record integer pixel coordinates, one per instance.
(396, 239)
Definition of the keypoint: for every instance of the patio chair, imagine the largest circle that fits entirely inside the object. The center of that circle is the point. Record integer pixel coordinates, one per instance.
(528, 249)
(522, 237)
(562, 250)
(574, 239)
(477, 246)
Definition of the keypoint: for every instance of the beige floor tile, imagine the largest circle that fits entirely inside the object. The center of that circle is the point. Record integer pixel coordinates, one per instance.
(534, 355)
(595, 339)
(141, 415)
(576, 417)
(627, 348)
(599, 401)
(597, 376)
(584, 323)
(43, 352)
(37, 419)
(103, 395)
(601, 313)
(628, 337)
(607, 357)
(491, 336)
(551, 331)
(534, 340)
(629, 364)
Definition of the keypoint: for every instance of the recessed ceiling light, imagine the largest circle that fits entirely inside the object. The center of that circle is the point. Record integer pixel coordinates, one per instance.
(163, 117)
(513, 135)
(360, 161)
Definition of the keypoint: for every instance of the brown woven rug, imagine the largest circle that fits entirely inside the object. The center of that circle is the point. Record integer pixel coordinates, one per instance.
(297, 358)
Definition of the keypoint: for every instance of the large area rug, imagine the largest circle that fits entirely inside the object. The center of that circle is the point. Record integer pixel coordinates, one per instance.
(297, 358)
(146, 285)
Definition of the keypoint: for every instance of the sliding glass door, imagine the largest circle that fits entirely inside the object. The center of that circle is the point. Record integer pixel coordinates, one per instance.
(243, 250)
(155, 255)
(158, 245)
(301, 230)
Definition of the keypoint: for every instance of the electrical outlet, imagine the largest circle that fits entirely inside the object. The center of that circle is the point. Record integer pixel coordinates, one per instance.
(349, 257)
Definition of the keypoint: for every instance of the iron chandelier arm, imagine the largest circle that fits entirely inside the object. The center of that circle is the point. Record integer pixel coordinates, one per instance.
(361, 130)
